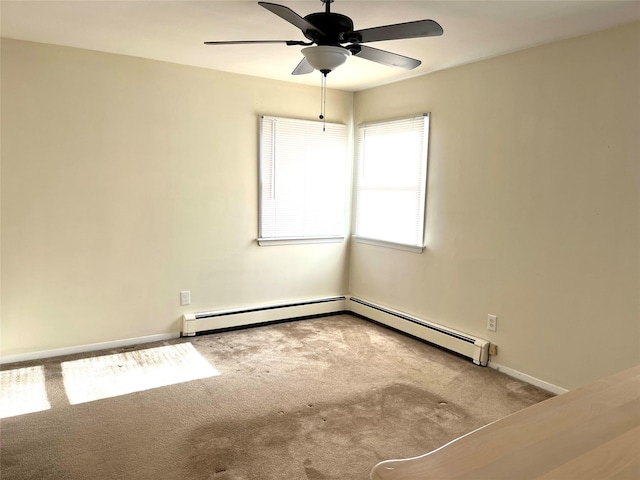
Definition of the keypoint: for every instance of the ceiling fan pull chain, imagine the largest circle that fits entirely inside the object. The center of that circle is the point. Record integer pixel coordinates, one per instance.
(323, 99)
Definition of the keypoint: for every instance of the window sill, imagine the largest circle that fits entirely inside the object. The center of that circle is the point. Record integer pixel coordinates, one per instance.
(297, 240)
(383, 243)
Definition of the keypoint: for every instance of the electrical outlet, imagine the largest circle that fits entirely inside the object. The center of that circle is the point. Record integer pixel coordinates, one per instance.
(492, 323)
(185, 297)
(493, 349)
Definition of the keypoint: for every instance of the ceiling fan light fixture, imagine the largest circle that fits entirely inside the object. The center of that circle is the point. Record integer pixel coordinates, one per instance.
(325, 58)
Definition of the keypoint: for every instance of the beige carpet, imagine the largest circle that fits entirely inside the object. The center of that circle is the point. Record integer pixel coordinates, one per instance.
(321, 399)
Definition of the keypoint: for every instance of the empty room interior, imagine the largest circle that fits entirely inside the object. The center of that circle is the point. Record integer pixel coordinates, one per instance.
(131, 194)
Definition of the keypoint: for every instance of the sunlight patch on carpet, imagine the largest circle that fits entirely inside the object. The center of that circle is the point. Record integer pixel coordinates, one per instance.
(23, 390)
(90, 379)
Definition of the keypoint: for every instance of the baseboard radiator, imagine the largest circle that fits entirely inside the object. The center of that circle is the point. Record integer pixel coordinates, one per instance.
(244, 317)
(477, 349)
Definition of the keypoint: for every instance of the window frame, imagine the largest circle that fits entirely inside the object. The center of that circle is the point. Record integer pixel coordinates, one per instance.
(421, 215)
(299, 239)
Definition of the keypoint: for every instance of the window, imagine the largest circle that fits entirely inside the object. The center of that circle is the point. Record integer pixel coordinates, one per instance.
(302, 181)
(391, 182)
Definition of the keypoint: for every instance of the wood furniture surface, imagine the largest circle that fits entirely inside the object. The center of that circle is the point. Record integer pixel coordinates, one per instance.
(592, 432)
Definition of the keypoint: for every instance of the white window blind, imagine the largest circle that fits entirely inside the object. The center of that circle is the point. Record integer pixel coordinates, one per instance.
(302, 181)
(391, 182)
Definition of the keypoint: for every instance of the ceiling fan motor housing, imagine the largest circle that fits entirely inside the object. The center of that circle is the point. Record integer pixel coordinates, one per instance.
(335, 27)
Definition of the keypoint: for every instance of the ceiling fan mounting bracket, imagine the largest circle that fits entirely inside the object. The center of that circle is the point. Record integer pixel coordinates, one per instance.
(327, 5)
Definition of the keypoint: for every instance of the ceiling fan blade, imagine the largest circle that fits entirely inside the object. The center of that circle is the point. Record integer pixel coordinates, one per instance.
(244, 42)
(290, 16)
(303, 67)
(417, 29)
(385, 58)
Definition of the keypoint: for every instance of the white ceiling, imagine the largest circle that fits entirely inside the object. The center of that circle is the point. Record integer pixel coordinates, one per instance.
(174, 31)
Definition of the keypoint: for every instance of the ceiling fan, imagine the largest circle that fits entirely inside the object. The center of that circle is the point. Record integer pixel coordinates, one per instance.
(335, 39)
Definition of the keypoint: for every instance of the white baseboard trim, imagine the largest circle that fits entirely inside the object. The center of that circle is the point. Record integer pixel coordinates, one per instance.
(549, 387)
(24, 357)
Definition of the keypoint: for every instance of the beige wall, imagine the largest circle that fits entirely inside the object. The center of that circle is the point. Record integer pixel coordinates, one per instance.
(533, 207)
(125, 181)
